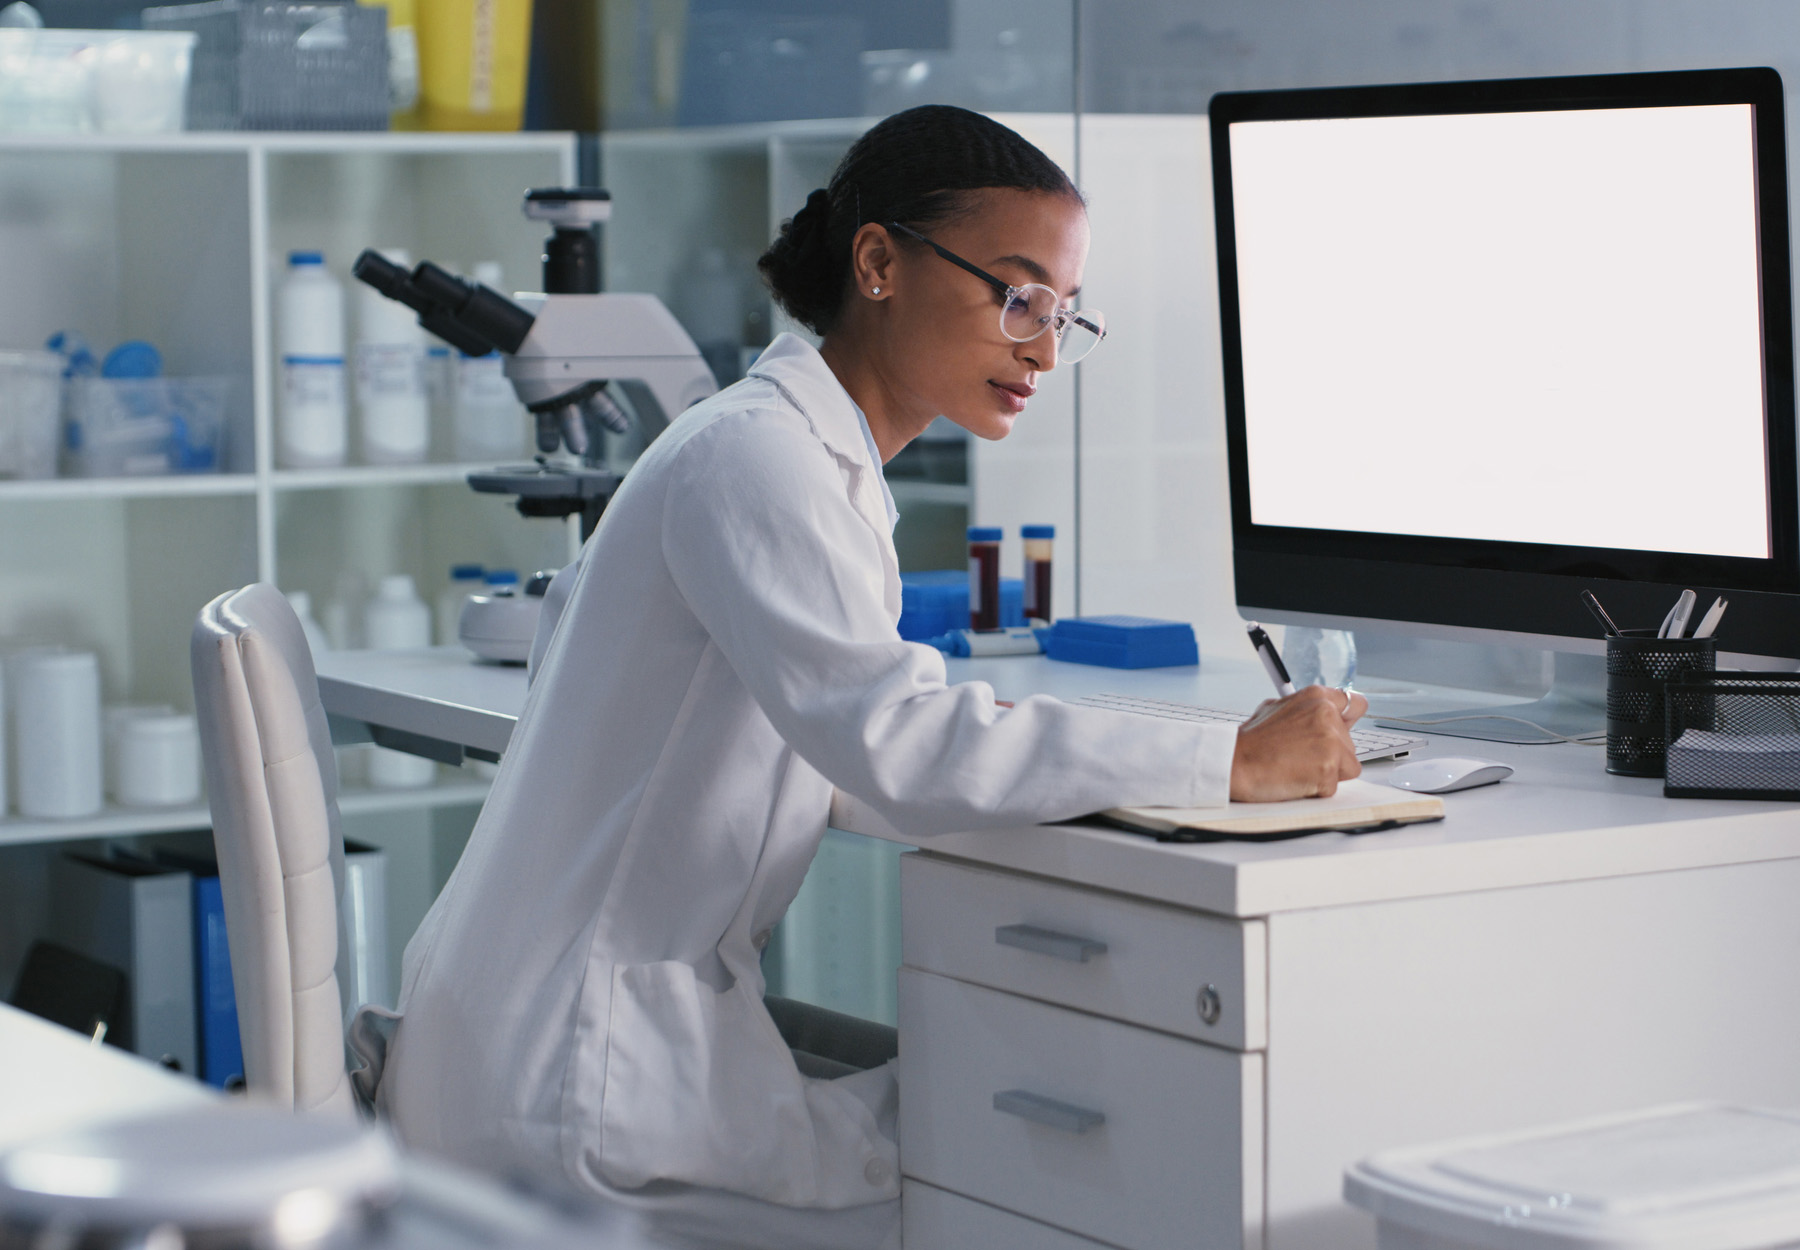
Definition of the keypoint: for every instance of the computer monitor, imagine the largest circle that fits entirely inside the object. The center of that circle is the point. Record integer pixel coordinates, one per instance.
(1489, 344)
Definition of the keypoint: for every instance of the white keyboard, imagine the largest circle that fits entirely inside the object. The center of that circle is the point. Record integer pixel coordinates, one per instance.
(1371, 744)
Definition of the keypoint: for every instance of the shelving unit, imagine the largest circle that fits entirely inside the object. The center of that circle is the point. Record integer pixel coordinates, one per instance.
(181, 240)
(123, 822)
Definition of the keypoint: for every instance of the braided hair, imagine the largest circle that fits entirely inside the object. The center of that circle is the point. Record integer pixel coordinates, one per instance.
(917, 168)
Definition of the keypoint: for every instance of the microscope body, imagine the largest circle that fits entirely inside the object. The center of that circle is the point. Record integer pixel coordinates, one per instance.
(564, 349)
(633, 341)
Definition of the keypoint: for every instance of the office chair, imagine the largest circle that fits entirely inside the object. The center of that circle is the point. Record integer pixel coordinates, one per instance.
(272, 778)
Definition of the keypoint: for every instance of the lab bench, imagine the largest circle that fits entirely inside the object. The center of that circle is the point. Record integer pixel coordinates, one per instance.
(1107, 1040)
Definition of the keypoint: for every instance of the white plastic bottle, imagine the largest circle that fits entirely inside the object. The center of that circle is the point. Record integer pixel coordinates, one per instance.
(393, 405)
(465, 580)
(309, 321)
(489, 421)
(56, 732)
(301, 602)
(398, 618)
(3, 756)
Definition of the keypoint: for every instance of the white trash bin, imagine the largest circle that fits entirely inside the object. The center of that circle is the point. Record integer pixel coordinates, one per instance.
(1698, 1176)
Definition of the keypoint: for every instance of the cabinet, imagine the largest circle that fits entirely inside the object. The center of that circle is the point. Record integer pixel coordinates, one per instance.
(1050, 1065)
(180, 239)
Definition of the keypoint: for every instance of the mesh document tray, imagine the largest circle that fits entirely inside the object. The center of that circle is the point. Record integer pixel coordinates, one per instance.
(1733, 736)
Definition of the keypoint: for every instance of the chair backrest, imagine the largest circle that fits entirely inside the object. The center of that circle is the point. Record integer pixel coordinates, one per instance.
(272, 780)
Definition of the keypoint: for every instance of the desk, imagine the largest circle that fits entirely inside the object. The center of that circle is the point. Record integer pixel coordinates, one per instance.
(52, 1080)
(1566, 943)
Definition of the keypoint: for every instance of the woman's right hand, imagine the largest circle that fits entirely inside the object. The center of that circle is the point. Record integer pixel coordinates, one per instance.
(1298, 747)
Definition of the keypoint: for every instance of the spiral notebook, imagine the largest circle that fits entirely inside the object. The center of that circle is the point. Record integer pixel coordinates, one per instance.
(1357, 807)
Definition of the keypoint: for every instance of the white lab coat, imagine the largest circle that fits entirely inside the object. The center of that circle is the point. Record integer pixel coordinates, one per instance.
(584, 1001)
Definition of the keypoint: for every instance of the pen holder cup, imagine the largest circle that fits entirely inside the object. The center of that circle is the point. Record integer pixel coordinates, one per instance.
(1638, 667)
(1733, 736)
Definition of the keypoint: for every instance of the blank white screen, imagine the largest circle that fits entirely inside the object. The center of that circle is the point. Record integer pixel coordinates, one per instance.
(1529, 327)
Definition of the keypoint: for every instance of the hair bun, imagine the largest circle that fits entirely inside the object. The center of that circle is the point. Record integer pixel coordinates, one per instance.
(919, 167)
(807, 229)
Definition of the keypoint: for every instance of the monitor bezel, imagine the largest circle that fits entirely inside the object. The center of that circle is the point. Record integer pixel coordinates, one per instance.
(1454, 581)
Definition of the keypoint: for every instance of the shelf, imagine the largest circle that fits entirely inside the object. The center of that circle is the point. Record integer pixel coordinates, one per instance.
(389, 143)
(747, 137)
(174, 484)
(112, 822)
(352, 475)
(120, 822)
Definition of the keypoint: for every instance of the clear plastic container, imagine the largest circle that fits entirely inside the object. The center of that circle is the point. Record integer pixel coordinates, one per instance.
(139, 427)
(30, 398)
(72, 81)
(1695, 1176)
(1319, 657)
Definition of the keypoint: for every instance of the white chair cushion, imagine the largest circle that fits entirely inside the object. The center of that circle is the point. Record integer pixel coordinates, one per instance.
(272, 779)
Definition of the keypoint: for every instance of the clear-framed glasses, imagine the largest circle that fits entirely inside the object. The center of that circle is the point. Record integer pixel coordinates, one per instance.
(1027, 311)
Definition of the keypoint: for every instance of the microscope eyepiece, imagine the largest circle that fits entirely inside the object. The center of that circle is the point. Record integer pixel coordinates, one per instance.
(466, 315)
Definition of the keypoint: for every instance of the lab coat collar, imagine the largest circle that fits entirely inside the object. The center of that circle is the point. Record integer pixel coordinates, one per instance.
(795, 366)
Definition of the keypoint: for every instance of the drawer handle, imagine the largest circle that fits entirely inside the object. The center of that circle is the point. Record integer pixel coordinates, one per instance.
(1028, 937)
(1048, 1111)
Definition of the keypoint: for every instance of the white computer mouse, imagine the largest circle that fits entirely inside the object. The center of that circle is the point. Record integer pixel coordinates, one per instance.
(1447, 773)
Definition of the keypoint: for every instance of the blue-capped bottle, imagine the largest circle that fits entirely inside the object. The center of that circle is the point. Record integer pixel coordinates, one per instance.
(313, 429)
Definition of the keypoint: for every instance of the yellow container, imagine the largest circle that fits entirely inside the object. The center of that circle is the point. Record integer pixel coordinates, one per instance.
(473, 58)
(403, 61)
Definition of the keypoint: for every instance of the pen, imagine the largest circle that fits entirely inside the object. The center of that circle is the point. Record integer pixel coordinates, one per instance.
(1675, 624)
(1271, 659)
(1593, 605)
(1710, 621)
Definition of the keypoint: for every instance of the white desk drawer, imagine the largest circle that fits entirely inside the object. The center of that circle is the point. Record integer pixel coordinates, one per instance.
(936, 1219)
(1119, 1133)
(1180, 971)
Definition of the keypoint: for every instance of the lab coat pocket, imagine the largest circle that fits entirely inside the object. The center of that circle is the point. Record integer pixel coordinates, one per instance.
(700, 1089)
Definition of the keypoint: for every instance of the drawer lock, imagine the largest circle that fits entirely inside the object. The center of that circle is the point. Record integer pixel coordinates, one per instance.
(1210, 1005)
(1048, 1111)
(1028, 937)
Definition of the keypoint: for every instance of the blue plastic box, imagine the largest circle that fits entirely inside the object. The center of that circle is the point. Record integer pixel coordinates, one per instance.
(937, 602)
(1122, 642)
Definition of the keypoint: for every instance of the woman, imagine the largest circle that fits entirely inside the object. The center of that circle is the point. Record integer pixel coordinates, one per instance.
(585, 999)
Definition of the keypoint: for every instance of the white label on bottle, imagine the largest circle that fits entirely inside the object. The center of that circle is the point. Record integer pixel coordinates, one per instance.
(974, 586)
(313, 381)
(389, 370)
(482, 380)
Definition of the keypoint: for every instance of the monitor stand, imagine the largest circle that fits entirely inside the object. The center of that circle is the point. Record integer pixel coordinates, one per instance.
(1574, 707)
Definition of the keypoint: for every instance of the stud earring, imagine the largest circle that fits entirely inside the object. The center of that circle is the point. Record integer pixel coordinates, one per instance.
(875, 290)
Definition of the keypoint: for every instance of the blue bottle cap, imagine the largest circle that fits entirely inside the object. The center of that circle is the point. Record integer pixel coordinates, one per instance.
(467, 573)
(306, 258)
(133, 358)
(78, 361)
(986, 533)
(503, 577)
(1037, 531)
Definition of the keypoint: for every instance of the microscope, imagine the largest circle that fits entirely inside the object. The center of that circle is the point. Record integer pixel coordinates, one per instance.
(568, 350)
